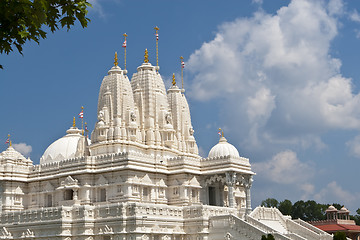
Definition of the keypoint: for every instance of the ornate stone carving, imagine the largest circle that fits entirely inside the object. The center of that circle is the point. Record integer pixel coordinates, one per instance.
(69, 181)
(4, 233)
(228, 236)
(27, 234)
(145, 237)
(106, 230)
(132, 116)
(168, 118)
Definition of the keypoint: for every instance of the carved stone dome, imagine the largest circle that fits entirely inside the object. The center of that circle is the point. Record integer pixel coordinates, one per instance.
(223, 148)
(69, 146)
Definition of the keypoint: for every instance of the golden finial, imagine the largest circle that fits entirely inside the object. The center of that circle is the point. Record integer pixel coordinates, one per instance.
(173, 80)
(115, 60)
(221, 132)
(10, 143)
(74, 122)
(146, 56)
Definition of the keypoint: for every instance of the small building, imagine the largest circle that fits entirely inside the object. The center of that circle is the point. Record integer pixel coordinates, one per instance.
(338, 221)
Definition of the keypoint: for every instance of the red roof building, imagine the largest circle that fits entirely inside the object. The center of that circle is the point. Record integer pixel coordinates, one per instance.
(338, 221)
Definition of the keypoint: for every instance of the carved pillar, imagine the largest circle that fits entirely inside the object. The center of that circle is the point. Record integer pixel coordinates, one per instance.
(247, 184)
(75, 197)
(230, 182)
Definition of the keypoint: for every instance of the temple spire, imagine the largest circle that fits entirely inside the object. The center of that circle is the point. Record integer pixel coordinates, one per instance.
(146, 56)
(74, 122)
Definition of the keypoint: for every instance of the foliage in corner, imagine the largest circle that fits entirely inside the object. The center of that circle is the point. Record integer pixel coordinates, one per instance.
(268, 237)
(339, 236)
(24, 20)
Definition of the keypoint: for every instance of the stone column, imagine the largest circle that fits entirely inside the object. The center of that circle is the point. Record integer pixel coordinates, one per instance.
(247, 184)
(75, 196)
(230, 182)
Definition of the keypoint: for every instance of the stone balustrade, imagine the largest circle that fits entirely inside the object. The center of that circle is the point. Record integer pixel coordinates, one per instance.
(294, 227)
(323, 234)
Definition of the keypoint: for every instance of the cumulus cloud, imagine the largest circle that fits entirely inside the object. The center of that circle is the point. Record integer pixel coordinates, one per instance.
(285, 168)
(354, 16)
(23, 148)
(354, 146)
(335, 193)
(276, 74)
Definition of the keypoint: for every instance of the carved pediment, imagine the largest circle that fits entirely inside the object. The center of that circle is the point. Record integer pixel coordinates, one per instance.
(194, 182)
(146, 179)
(69, 181)
(175, 182)
(18, 190)
(119, 179)
(161, 183)
(49, 187)
(135, 179)
(101, 181)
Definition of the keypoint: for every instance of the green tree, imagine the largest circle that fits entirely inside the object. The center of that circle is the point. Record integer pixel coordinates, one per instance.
(298, 210)
(270, 202)
(25, 20)
(339, 236)
(285, 207)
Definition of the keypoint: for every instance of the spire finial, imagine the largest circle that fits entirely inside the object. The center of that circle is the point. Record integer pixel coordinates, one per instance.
(82, 119)
(173, 80)
(182, 72)
(221, 132)
(74, 122)
(146, 56)
(157, 44)
(116, 60)
(8, 140)
(124, 46)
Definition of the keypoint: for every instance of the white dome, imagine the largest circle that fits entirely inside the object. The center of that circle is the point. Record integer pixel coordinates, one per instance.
(69, 146)
(223, 148)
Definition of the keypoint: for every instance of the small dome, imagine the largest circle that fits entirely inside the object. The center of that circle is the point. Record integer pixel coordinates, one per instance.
(331, 208)
(223, 148)
(344, 209)
(70, 146)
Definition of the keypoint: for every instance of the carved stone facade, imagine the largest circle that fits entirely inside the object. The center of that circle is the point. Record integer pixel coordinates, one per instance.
(139, 178)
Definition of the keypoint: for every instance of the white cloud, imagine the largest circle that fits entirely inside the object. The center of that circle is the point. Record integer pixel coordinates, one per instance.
(23, 148)
(354, 146)
(335, 193)
(257, 1)
(285, 168)
(261, 105)
(276, 74)
(354, 16)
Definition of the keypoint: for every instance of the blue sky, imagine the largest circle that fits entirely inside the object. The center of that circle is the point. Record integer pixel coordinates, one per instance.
(280, 77)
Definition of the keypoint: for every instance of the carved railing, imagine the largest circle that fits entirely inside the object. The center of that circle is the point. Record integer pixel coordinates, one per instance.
(323, 235)
(258, 224)
(221, 223)
(306, 232)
